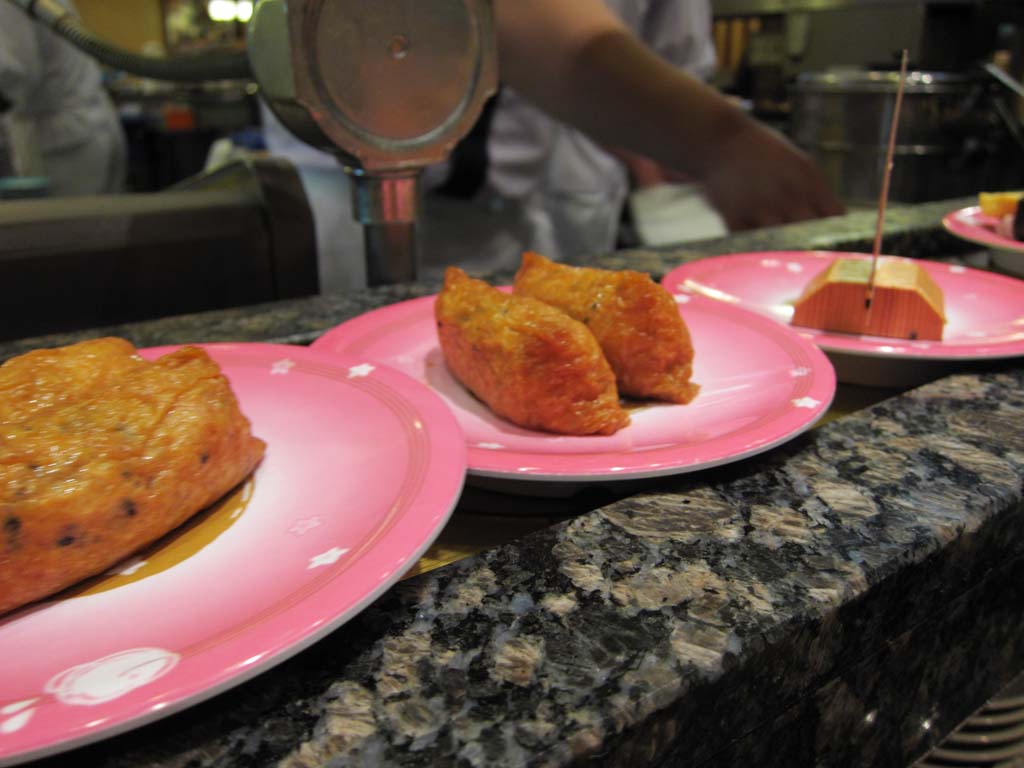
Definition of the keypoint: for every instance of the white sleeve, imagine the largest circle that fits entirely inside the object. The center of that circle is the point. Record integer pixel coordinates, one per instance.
(20, 67)
(680, 31)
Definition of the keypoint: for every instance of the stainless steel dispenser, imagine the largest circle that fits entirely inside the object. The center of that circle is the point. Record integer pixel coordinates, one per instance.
(842, 118)
(389, 87)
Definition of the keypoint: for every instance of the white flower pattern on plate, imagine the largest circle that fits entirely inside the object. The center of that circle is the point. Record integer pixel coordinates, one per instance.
(329, 557)
(360, 371)
(281, 367)
(305, 525)
(16, 715)
(806, 402)
(111, 677)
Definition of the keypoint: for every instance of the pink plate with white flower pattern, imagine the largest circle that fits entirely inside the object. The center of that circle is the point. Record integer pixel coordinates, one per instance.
(761, 385)
(972, 225)
(298, 549)
(984, 311)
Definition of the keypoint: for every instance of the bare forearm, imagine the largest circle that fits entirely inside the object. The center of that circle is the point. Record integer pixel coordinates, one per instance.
(576, 61)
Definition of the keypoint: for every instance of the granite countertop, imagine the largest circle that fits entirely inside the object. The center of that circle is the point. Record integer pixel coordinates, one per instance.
(845, 599)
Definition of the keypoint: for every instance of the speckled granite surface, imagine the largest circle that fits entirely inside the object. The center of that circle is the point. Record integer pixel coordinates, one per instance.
(843, 600)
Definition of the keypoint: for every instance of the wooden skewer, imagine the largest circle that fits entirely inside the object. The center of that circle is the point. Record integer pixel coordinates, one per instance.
(883, 197)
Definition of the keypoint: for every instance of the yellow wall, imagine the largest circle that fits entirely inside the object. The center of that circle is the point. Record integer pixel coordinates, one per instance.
(127, 23)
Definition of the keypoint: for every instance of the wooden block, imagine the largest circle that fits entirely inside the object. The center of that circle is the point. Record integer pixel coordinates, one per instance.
(907, 303)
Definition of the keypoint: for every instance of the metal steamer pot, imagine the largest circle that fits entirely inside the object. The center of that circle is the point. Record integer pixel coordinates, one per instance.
(842, 119)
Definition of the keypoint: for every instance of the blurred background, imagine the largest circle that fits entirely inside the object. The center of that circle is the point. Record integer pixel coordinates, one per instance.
(816, 69)
(822, 72)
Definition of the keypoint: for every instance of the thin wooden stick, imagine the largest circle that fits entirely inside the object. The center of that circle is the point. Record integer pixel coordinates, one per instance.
(883, 197)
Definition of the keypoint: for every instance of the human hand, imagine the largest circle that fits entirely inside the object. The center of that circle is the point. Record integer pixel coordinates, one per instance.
(756, 178)
(588, 70)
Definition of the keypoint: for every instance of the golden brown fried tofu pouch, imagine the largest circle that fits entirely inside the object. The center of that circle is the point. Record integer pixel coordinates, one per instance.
(102, 452)
(530, 363)
(635, 320)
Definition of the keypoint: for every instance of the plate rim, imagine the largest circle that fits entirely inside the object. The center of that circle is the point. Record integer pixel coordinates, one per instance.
(851, 344)
(989, 239)
(155, 709)
(823, 370)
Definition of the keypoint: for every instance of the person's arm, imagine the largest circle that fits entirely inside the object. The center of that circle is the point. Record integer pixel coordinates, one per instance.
(576, 60)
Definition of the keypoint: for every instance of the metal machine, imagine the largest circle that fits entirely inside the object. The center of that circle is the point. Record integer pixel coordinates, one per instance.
(389, 87)
(824, 71)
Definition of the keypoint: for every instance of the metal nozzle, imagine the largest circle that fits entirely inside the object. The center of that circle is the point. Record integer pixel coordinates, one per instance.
(387, 207)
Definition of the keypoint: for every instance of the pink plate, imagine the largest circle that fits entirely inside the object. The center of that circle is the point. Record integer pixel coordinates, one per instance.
(297, 550)
(972, 225)
(984, 311)
(761, 385)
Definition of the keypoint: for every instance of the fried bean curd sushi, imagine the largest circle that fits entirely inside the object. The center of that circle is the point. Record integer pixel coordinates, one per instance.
(102, 453)
(635, 320)
(530, 363)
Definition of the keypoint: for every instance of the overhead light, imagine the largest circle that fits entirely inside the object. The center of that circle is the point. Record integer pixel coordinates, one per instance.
(223, 10)
(243, 10)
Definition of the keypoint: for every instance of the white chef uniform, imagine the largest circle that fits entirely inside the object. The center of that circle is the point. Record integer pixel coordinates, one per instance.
(61, 119)
(549, 188)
